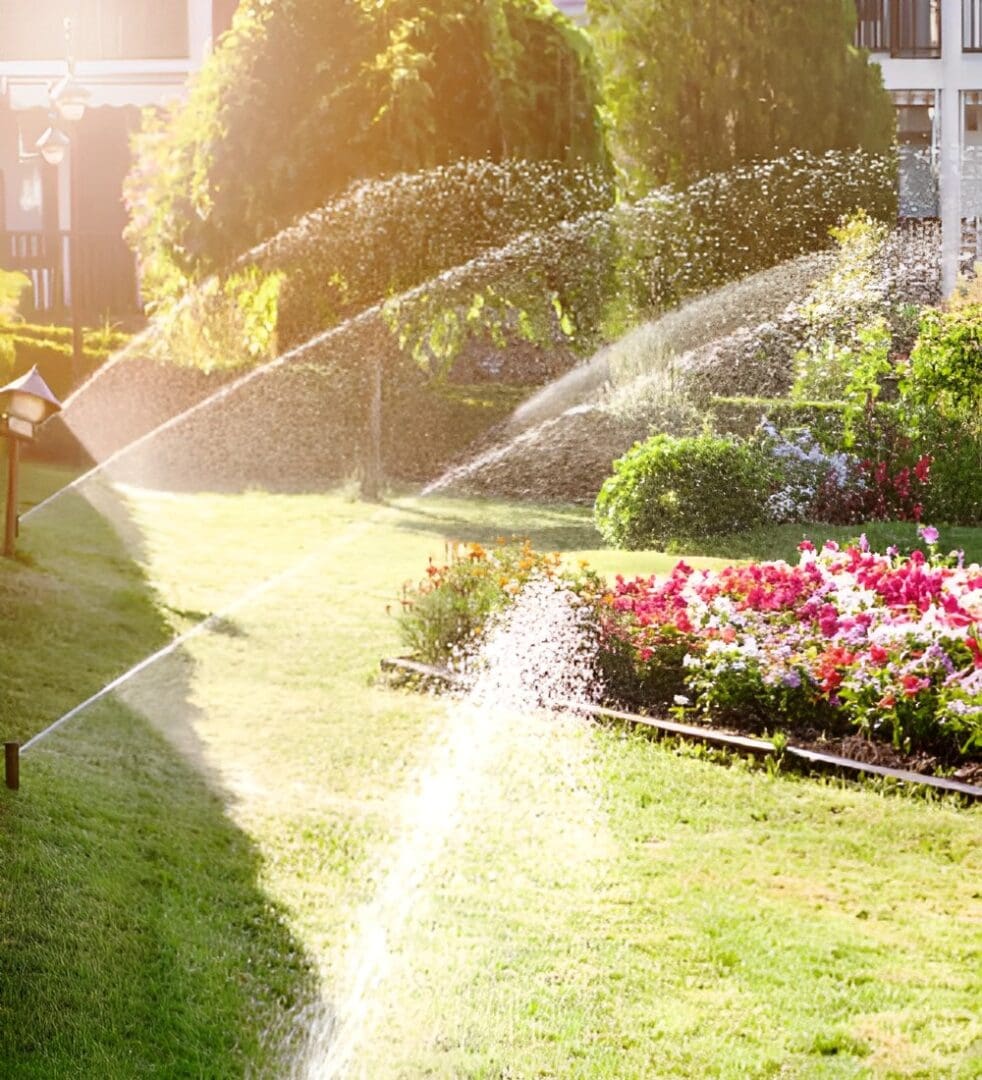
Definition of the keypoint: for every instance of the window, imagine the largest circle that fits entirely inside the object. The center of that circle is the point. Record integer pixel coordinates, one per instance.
(915, 28)
(101, 29)
(972, 25)
(901, 27)
(917, 135)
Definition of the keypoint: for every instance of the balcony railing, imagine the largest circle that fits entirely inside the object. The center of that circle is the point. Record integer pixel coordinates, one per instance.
(972, 25)
(107, 278)
(873, 25)
(904, 28)
(101, 29)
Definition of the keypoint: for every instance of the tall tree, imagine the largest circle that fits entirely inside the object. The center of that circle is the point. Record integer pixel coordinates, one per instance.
(696, 86)
(304, 96)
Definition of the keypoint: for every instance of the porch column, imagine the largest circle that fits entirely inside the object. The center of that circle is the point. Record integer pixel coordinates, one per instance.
(950, 178)
(65, 225)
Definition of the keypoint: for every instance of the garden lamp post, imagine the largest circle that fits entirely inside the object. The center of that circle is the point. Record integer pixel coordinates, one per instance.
(25, 404)
(69, 99)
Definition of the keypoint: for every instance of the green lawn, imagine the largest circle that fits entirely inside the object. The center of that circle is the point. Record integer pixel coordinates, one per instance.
(182, 872)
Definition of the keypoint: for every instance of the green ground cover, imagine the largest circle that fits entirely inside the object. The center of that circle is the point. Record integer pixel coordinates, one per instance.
(185, 861)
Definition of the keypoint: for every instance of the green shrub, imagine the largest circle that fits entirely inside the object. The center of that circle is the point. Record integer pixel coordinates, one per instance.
(104, 338)
(667, 490)
(954, 494)
(53, 358)
(13, 285)
(945, 371)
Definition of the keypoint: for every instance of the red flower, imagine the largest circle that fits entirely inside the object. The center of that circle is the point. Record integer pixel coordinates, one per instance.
(878, 655)
(913, 685)
(976, 650)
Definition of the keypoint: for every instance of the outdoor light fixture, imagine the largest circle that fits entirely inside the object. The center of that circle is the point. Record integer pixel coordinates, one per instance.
(53, 144)
(70, 98)
(25, 404)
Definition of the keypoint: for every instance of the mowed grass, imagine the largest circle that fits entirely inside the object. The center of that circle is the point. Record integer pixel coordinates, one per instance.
(181, 873)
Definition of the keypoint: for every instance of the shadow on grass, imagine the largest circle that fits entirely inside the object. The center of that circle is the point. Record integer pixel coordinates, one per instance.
(549, 529)
(781, 541)
(136, 937)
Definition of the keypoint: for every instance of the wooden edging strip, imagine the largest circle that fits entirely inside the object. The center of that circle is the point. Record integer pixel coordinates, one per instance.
(719, 738)
(908, 777)
(670, 727)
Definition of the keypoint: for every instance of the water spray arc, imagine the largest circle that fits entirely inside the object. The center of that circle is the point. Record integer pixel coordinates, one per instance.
(250, 596)
(663, 226)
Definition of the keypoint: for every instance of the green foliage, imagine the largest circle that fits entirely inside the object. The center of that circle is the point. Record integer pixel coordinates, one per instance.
(24, 345)
(941, 393)
(8, 356)
(303, 97)
(852, 323)
(667, 490)
(12, 287)
(954, 495)
(742, 416)
(223, 323)
(641, 258)
(946, 365)
(865, 376)
(377, 240)
(695, 86)
(445, 614)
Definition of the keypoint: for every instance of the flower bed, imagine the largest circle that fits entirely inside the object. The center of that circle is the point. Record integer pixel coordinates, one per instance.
(848, 644)
(846, 640)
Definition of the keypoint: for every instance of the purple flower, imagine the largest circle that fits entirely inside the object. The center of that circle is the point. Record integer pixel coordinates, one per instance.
(928, 533)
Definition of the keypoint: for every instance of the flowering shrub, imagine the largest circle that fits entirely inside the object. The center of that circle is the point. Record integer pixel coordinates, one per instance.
(447, 611)
(811, 484)
(846, 639)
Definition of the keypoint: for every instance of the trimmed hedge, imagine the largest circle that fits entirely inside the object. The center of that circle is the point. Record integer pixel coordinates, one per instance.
(104, 338)
(741, 416)
(24, 345)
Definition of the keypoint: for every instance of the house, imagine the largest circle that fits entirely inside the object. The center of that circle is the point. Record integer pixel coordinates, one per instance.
(930, 52)
(128, 54)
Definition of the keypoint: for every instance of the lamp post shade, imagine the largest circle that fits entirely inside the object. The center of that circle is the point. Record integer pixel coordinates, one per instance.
(53, 144)
(70, 98)
(28, 399)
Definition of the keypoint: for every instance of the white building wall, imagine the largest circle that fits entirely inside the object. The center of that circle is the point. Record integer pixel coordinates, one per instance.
(951, 79)
(114, 82)
(121, 82)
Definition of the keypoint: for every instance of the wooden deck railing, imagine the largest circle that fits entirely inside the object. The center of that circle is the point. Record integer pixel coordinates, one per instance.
(106, 270)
